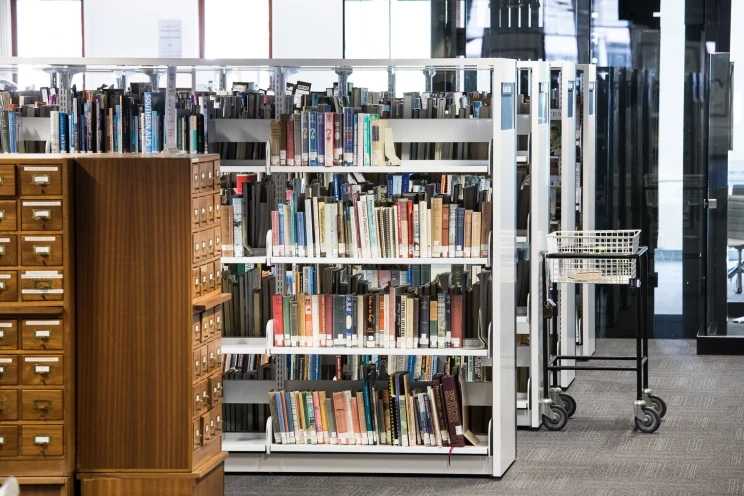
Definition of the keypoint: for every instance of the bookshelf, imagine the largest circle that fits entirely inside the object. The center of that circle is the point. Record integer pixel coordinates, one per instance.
(496, 451)
(534, 126)
(586, 162)
(563, 117)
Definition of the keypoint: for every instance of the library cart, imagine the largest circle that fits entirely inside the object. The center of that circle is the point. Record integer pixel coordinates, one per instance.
(597, 257)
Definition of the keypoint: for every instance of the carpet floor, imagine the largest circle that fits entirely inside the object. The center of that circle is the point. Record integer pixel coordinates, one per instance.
(698, 450)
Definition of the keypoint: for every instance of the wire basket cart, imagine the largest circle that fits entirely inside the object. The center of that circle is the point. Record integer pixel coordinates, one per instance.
(597, 257)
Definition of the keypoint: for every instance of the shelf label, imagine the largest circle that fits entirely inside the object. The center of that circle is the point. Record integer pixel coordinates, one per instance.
(42, 322)
(39, 238)
(169, 39)
(40, 169)
(42, 359)
(42, 204)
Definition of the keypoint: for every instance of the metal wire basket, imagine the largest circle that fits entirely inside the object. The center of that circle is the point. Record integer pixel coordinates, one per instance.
(592, 270)
(623, 242)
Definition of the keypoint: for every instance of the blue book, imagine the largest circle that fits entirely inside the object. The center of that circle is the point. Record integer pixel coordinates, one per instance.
(349, 319)
(301, 232)
(368, 410)
(281, 227)
(447, 319)
(460, 232)
(156, 132)
(390, 186)
(427, 423)
(411, 365)
(320, 136)
(12, 131)
(316, 368)
(147, 145)
(348, 138)
(312, 123)
(280, 414)
(116, 133)
(409, 275)
(476, 109)
(133, 135)
(62, 132)
(293, 222)
(354, 158)
(405, 183)
(336, 188)
(119, 129)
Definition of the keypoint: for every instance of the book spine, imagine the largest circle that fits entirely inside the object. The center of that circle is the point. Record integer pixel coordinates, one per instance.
(290, 151)
(448, 320)
(467, 233)
(320, 135)
(348, 128)
(372, 226)
(332, 427)
(452, 230)
(416, 232)
(275, 135)
(460, 230)
(317, 415)
(423, 321)
(348, 321)
(328, 131)
(148, 148)
(305, 138)
(312, 123)
(12, 134)
(456, 320)
(278, 314)
(441, 322)
(338, 139)
(367, 141)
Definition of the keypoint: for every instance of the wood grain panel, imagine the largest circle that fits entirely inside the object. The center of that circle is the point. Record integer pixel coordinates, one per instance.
(212, 484)
(134, 259)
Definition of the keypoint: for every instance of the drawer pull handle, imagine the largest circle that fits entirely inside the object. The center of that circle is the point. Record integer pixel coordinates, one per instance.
(2, 214)
(2, 249)
(43, 405)
(2, 369)
(42, 250)
(42, 440)
(42, 369)
(203, 211)
(2, 334)
(2, 440)
(41, 214)
(39, 180)
(196, 213)
(2, 179)
(198, 399)
(42, 334)
(196, 178)
(3, 404)
(2, 285)
(43, 284)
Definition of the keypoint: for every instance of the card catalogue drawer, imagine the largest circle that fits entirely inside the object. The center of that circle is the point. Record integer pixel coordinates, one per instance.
(195, 216)
(41, 180)
(42, 370)
(41, 215)
(217, 414)
(8, 404)
(212, 282)
(42, 285)
(218, 320)
(215, 388)
(217, 204)
(41, 250)
(197, 434)
(196, 179)
(42, 334)
(204, 355)
(8, 370)
(217, 234)
(211, 357)
(8, 285)
(8, 440)
(197, 364)
(204, 274)
(8, 334)
(8, 250)
(196, 277)
(42, 404)
(206, 176)
(209, 237)
(210, 209)
(196, 328)
(206, 317)
(42, 440)
(204, 245)
(206, 429)
(8, 215)
(203, 211)
(198, 398)
(7, 180)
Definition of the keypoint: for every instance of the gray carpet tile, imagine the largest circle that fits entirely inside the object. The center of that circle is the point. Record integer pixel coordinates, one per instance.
(699, 449)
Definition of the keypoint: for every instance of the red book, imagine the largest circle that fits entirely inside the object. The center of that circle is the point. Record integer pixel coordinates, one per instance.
(309, 338)
(456, 320)
(339, 375)
(322, 320)
(410, 229)
(290, 142)
(277, 302)
(445, 231)
(339, 410)
(452, 409)
(400, 234)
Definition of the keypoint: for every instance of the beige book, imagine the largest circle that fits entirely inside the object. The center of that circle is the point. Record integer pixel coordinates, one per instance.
(275, 133)
(377, 133)
(436, 227)
(475, 242)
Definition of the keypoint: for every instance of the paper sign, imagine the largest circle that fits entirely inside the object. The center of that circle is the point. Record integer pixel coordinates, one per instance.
(170, 111)
(169, 39)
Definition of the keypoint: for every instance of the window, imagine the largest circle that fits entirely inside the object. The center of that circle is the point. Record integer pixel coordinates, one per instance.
(47, 29)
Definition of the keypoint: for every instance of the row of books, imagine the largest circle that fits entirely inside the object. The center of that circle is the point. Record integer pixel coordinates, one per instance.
(396, 415)
(365, 223)
(20, 104)
(244, 417)
(249, 309)
(246, 367)
(11, 126)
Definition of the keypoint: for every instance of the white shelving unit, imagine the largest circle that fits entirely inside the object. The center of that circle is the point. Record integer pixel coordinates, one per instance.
(497, 448)
(565, 114)
(537, 126)
(588, 172)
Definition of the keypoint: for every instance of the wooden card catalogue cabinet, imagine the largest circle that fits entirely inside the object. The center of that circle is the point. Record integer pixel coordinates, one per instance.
(37, 322)
(149, 349)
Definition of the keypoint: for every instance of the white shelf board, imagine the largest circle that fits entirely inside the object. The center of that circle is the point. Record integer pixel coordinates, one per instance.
(523, 324)
(407, 166)
(379, 261)
(432, 130)
(481, 449)
(243, 442)
(247, 346)
(301, 350)
(523, 356)
(244, 260)
(245, 166)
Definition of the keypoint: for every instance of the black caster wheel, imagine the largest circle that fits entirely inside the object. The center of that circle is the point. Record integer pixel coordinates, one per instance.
(559, 420)
(650, 423)
(657, 404)
(569, 404)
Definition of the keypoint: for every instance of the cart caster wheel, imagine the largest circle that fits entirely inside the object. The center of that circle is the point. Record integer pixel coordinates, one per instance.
(738, 290)
(651, 423)
(559, 421)
(569, 404)
(658, 404)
